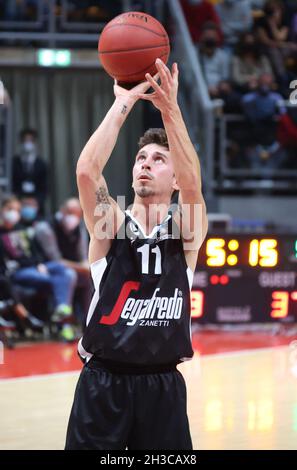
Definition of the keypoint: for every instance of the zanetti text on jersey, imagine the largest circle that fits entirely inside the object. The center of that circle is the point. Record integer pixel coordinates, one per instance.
(157, 311)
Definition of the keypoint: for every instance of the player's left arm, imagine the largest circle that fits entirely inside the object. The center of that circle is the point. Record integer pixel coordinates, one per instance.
(185, 159)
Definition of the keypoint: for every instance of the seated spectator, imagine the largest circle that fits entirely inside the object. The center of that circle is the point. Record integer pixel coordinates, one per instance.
(65, 239)
(261, 108)
(248, 65)
(26, 264)
(273, 35)
(215, 66)
(29, 170)
(264, 103)
(236, 17)
(197, 14)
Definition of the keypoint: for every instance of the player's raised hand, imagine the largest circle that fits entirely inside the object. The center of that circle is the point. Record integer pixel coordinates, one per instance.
(164, 96)
(135, 92)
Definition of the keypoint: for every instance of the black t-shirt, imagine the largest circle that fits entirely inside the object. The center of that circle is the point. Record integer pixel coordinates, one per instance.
(140, 312)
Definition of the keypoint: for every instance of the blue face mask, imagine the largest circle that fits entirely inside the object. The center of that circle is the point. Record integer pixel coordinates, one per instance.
(28, 213)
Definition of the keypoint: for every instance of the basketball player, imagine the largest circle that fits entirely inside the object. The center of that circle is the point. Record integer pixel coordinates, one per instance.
(130, 393)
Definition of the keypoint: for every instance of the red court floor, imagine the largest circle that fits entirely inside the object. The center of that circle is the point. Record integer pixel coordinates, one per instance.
(49, 358)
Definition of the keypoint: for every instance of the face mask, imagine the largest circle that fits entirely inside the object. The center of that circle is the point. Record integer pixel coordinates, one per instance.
(28, 213)
(11, 216)
(28, 147)
(211, 43)
(71, 221)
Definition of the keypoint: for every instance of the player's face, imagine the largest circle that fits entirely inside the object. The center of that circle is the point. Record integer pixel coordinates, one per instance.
(153, 172)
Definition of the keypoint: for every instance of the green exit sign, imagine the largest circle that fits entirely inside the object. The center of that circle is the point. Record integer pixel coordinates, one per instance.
(54, 57)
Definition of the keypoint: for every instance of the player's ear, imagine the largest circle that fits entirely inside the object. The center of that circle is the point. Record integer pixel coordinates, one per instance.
(175, 186)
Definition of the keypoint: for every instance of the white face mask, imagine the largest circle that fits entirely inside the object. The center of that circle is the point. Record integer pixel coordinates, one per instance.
(29, 147)
(11, 216)
(71, 221)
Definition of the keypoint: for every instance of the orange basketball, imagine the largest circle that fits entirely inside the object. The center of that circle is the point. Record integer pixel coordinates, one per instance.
(130, 44)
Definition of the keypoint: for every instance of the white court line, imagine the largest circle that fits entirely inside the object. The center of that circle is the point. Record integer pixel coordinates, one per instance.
(244, 352)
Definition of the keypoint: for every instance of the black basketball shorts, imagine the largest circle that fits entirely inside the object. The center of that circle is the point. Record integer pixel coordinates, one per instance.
(117, 411)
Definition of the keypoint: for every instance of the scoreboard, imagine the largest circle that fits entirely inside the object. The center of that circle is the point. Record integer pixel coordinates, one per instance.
(246, 278)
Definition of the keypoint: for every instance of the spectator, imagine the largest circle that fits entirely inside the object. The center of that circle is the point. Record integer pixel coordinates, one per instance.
(29, 171)
(215, 67)
(263, 104)
(273, 35)
(261, 107)
(65, 240)
(197, 14)
(236, 17)
(26, 264)
(249, 64)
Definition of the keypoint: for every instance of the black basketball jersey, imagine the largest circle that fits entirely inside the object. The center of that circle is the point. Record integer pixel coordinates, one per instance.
(140, 312)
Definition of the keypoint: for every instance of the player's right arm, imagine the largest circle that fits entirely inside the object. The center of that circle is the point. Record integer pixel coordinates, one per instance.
(93, 192)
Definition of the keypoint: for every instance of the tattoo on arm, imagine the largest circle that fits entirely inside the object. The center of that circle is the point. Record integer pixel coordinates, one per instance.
(102, 198)
(124, 109)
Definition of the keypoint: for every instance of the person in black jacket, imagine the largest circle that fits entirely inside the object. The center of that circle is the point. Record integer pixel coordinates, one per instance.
(29, 170)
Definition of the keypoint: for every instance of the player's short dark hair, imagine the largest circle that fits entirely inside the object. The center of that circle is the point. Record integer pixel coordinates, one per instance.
(154, 135)
(28, 131)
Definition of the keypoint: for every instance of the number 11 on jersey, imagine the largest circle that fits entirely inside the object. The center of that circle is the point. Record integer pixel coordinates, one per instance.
(145, 251)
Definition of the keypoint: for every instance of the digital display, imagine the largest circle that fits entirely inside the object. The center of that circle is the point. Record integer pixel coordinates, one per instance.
(262, 252)
(246, 278)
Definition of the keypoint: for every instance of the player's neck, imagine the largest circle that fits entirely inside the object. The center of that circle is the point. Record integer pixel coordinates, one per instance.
(149, 213)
